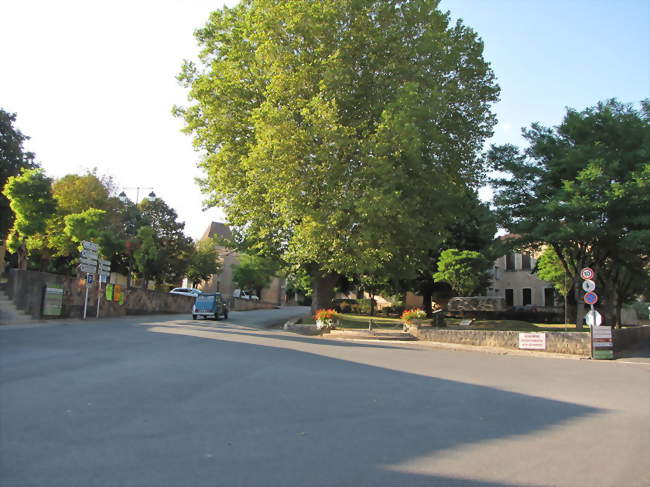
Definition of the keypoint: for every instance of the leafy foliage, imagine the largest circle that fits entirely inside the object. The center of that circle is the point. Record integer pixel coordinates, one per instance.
(549, 268)
(252, 272)
(321, 122)
(13, 159)
(584, 189)
(204, 262)
(464, 270)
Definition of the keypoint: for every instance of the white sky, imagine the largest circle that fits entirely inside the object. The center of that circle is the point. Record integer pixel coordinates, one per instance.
(93, 83)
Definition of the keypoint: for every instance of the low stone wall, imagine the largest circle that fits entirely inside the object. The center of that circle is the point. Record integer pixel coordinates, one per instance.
(630, 337)
(238, 304)
(576, 343)
(25, 289)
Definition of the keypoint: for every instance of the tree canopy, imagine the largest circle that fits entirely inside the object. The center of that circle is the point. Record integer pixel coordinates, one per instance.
(13, 159)
(463, 270)
(337, 134)
(583, 188)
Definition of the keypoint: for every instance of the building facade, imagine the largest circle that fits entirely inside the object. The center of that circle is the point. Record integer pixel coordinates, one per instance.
(513, 279)
(222, 282)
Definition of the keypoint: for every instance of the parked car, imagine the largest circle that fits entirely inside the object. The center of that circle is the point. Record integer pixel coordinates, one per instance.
(209, 306)
(185, 291)
(241, 294)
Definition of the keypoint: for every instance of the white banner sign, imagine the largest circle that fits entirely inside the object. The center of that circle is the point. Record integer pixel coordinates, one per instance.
(89, 254)
(90, 246)
(91, 269)
(532, 341)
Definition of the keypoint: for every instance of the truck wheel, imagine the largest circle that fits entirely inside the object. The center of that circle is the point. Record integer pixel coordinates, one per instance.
(193, 317)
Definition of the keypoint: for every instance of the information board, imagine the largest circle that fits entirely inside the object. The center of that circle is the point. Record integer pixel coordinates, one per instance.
(603, 344)
(532, 341)
(53, 300)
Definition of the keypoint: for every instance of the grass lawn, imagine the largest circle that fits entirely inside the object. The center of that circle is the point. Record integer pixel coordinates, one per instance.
(352, 321)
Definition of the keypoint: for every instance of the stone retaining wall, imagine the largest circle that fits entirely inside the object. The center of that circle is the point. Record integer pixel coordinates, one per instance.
(577, 343)
(25, 289)
(629, 337)
(238, 304)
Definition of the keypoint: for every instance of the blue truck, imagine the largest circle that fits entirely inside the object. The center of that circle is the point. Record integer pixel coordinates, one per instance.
(209, 306)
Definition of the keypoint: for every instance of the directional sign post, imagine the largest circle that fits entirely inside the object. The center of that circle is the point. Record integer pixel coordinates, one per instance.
(104, 273)
(88, 264)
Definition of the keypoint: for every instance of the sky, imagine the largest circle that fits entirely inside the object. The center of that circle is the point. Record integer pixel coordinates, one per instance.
(93, 83)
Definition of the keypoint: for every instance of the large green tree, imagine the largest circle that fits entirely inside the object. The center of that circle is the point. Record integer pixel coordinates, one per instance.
(463, 270)
(174, 247)
(204, 262)
(31, 201)
(253, 273)
(583, 188)
(13, 158)
(337, 133)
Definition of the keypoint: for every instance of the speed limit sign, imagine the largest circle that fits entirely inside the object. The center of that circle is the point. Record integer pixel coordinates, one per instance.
(587, 273)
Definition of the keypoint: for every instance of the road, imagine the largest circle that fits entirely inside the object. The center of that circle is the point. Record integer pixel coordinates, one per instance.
(167, 401)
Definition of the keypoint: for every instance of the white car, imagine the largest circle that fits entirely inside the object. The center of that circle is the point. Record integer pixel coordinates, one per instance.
(185, 291)
(238, 293)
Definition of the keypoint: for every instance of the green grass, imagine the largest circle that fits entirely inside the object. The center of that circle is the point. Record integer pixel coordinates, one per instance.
(355, 321)
(351, 321)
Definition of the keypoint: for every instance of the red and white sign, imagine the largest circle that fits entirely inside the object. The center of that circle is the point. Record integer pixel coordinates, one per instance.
(602, 336)
(532, 341)
(587, 273)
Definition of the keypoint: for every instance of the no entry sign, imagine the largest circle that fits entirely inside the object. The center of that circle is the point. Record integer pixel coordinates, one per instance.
(587, 273)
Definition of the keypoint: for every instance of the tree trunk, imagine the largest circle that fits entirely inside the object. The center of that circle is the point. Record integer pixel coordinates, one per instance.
(22, 256)
(3, 251)
(323, 290)
(427, 295)
(580, 309)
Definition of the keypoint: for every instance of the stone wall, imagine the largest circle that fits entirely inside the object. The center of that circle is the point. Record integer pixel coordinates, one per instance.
(25, 289)
(237, 304)
(576, 343)
(630, 337)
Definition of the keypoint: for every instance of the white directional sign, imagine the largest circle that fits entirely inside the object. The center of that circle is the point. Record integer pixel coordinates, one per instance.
(89, 254)
(593, 318)
(91, 269)
(90, 246)
(105, 263)
(588, 285)
(87, 261)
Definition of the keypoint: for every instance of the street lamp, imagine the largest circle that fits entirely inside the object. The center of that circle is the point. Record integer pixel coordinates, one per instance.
(124, 198)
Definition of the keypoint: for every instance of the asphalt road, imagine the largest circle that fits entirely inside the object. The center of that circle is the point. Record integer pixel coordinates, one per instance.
(174, 402)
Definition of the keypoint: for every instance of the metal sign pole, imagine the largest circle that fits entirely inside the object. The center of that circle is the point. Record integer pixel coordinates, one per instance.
(99, 295)
(86, 300)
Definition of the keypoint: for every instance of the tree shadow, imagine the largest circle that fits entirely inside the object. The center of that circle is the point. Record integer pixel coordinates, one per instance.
(206, 411)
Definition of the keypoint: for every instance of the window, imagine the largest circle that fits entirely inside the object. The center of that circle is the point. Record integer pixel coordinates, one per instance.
(510, 262)
(510, 297)
(549, 296)
(526, 262)
(496, 272)
(527, 296)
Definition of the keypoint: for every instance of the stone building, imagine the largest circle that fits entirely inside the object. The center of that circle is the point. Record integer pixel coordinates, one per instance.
(223, 282)
(513, 279)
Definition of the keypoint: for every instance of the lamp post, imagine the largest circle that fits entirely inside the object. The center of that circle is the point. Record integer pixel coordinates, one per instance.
(124, 198)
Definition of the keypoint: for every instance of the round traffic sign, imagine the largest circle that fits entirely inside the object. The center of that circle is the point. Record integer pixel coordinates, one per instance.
(593, 318)
(587, 273)
(588, 285)
(591, 298)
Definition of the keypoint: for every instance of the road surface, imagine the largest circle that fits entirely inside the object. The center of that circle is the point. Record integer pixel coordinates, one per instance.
(173, 402)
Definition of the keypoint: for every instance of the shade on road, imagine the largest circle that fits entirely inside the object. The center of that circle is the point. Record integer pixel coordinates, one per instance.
(170, 402)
